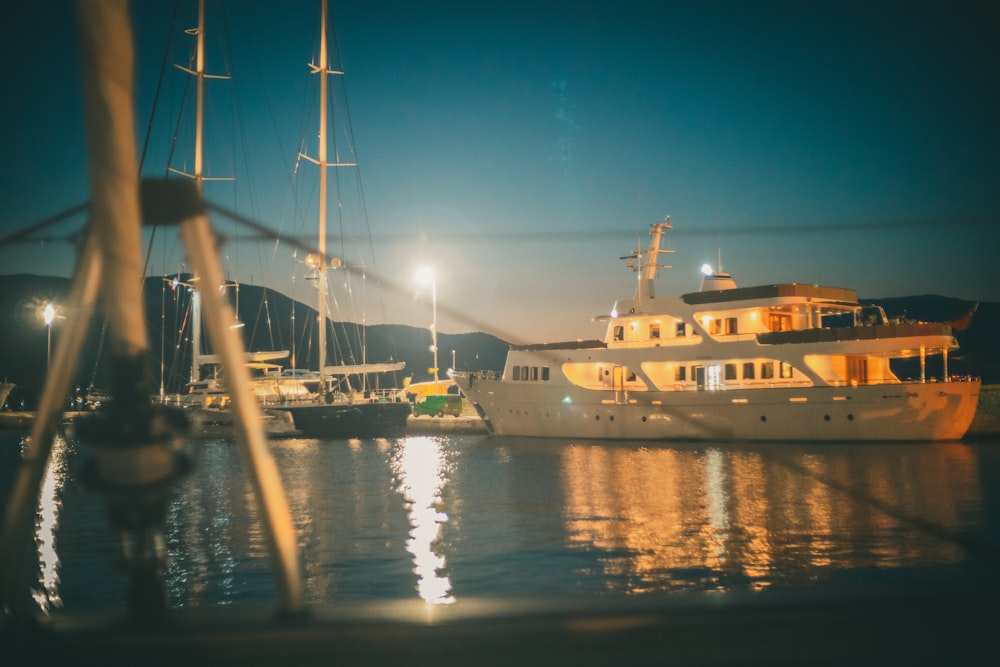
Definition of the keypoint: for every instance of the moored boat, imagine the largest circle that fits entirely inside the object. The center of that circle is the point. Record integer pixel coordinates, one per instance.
(770, 362)
(340, 409)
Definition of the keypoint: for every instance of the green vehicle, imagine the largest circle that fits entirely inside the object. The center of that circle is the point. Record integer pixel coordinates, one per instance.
(437, 405)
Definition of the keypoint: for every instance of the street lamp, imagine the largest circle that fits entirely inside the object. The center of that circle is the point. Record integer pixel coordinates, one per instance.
(425, 275)
(48, 314)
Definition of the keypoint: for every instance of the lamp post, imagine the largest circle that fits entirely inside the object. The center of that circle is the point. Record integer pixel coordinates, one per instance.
(49, 314)
(426, 275)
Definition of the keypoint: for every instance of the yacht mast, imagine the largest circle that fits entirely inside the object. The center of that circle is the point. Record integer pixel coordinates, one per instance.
(648, 264)
(198, 174)
(323, 70)
(320, 264)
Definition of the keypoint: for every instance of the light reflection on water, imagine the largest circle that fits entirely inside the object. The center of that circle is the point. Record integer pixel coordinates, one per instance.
(754, 518)
(47, 525)
(418, 464)
(447, 518)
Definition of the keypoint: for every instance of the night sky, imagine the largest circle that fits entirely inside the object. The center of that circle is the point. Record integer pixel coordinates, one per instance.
(522, 147)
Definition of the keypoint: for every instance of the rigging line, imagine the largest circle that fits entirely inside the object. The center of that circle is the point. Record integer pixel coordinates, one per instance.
(23, 235)
(159, 86)
(557, 236)
(149, 133)
(363, 208)
(237, 122)
(455, 313)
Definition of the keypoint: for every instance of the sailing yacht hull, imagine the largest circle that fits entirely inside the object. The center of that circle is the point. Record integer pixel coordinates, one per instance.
(345, 420)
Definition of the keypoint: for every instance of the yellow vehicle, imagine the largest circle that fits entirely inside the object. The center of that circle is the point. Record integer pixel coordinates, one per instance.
(437, 399)
(437, 405)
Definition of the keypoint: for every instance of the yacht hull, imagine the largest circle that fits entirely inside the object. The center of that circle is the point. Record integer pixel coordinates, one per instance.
(887, 412)
(343, 420)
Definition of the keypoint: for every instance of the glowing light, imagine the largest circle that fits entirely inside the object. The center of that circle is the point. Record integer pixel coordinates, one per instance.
(46, 526)
(49, 314)
(418, 465)
(707, 269)
(614, 313)
(425, 275)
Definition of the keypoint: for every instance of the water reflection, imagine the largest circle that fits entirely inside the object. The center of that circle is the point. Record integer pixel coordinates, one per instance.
(419, 467)
(674, 518)
(47, 595)
(457, 518)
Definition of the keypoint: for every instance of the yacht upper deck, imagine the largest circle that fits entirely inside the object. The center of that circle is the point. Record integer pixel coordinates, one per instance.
(838, 295)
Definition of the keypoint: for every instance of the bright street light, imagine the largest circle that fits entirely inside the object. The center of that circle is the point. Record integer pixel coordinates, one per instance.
(425, 275)
(48, 314)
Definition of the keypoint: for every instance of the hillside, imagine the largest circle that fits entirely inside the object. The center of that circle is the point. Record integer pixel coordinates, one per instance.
(267, 319)
(265, 314)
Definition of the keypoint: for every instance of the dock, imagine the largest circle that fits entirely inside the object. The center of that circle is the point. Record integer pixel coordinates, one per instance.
(423, 425)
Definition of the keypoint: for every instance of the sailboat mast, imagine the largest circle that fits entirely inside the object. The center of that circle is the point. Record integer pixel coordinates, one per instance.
(321, 286)
(197, 175)
(200, 97)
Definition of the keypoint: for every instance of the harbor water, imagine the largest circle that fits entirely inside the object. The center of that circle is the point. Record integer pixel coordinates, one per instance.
(445, 519)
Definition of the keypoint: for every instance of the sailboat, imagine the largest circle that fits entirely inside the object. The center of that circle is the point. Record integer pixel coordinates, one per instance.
(339, 409)
(206, 402)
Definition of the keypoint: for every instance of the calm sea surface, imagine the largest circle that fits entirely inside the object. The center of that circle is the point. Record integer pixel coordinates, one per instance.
(472, 516)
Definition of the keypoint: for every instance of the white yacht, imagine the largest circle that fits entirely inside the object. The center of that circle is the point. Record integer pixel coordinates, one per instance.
(772, 362)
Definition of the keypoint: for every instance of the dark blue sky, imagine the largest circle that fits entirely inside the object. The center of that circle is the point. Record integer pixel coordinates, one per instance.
(522, 147)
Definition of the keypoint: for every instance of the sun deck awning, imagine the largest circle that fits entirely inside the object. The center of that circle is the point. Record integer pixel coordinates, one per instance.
(827, 294)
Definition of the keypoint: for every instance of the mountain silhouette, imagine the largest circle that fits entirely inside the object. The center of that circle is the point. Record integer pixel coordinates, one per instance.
(267, 324)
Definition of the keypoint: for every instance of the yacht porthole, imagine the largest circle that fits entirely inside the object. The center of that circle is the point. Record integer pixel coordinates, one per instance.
(826, 417)
(763, 418)
(850, 418)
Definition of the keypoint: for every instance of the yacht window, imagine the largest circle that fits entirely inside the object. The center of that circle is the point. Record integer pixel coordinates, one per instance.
(748, 373)
(545, 373)
(517, 372)
(524, 372)
(654, 330)
(681, 329)
(730, 325)
(730, 372)
(619, 333)
(767, 370)
(786, 370)
(534, 373)
(680, 373)
(716, 327)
